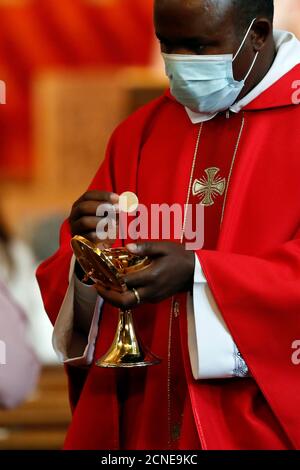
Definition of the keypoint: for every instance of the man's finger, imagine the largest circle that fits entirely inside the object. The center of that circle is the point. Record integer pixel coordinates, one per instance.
(101, 244)
(124, 300)
(151, 249)
(85, 225)
(102, 196)
(93, 208)
(140, 278)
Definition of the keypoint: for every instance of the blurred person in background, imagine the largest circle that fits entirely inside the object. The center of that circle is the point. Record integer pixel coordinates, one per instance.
(17, 272)
(19, 366)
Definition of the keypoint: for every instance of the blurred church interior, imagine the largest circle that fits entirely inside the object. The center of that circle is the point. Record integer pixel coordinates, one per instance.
(73, 70)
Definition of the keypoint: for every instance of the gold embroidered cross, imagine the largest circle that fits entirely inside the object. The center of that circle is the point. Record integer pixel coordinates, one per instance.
(209, 188)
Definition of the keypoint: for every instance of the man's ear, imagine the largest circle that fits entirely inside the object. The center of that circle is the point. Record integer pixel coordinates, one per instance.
(261, 32)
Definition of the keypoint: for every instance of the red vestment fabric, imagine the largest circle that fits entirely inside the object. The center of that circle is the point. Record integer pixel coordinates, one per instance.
(252, 267)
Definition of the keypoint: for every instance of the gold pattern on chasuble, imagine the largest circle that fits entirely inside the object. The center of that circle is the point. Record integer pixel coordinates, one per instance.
(209, 187)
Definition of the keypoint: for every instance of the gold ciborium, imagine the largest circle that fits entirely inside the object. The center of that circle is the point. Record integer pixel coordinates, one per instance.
(108, 267)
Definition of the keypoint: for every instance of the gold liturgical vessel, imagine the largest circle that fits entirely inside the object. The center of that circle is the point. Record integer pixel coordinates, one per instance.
(108, 267)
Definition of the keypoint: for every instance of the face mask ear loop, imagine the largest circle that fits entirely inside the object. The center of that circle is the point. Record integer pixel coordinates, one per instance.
(252, 65)
(244, 40)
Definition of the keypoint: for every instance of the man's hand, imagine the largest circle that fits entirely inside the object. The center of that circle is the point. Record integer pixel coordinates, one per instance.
(171, 271)
(83, 219)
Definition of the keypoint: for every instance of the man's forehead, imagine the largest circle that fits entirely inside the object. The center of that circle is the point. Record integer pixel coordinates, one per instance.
(209, 15)
(202, 5)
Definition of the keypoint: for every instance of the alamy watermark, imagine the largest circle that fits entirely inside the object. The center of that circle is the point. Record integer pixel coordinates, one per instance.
(296, 93)
(2, 92)
(159, 222)
(2, 353)
(296, 353)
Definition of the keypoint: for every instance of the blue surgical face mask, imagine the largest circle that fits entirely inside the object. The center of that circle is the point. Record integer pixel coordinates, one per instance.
(205, 83)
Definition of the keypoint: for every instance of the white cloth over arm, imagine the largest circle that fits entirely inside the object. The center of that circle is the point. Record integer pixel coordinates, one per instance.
(84, 300)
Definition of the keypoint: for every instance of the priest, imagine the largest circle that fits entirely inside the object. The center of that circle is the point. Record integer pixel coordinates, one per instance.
(224, 317)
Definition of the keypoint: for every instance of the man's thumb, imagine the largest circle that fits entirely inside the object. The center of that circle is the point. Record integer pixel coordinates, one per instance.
(145, 249)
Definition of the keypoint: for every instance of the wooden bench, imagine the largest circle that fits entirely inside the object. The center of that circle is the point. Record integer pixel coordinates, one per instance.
(40, 423)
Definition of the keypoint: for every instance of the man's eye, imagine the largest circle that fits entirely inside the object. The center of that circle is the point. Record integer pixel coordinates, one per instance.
(164, 44)
(195, 47)
(199, 49)
(165, 47)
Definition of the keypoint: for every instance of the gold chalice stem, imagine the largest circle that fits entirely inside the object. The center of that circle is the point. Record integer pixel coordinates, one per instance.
(126, 349)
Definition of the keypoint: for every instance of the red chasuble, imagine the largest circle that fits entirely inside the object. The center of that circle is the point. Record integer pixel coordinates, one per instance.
(251, 259)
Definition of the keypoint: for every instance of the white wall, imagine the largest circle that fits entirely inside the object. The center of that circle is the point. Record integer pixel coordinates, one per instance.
(287, 15)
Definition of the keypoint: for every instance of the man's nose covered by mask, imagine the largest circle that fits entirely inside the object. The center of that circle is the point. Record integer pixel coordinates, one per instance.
(205, 83)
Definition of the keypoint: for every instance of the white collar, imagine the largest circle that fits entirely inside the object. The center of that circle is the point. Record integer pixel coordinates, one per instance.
(288, 56)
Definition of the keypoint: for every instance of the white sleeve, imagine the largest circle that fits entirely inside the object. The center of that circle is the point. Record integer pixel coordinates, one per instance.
(83, 298)
(213, 353)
